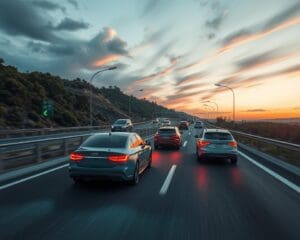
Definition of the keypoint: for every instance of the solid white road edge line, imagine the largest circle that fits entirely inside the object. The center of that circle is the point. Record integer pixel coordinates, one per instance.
(184, 144)
(33, 176)
(167, 181)
(272, 173)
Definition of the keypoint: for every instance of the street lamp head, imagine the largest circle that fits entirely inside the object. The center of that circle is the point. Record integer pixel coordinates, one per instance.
(141, 90)
(112, 68)
(218, 85)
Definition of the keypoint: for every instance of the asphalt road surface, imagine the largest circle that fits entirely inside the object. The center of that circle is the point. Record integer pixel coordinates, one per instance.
(178, 198)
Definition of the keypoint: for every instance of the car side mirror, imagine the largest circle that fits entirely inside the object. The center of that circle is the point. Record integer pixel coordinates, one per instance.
(196, 136)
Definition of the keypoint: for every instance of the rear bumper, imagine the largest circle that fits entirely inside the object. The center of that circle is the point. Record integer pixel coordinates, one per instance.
(121, 172)
(217, 155)
(167, 143)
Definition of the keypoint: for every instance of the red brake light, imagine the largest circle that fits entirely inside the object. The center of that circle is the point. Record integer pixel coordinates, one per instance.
(203, 143)
(118, 157)
(76, 157)
(233, 144)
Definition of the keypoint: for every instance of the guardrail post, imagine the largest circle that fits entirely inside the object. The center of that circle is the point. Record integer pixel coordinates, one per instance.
(38, 151)
(65, 146)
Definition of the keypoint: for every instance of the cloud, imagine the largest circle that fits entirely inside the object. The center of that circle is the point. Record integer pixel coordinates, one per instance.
(149, 7)
(256, 110)
(282, 20)
(189, 78)
(255, 60)
(32, 24)
(47, 5)
(68, 24)
(74, 3)
(215, 22)
(296, 108)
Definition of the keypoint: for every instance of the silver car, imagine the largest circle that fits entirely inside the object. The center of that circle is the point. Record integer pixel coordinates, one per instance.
(114, 156)
(216, 144)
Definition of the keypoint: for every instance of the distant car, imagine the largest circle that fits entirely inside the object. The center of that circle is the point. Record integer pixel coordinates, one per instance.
(122, 125)
(165, 122)
(115, 156)
(198, 125)
(167, 137)
(156, 120)
(183, 125)
(216, 144)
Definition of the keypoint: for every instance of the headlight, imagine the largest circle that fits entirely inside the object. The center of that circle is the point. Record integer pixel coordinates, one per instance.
(112, 126)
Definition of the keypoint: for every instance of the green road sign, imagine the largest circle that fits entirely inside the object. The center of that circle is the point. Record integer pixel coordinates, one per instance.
(47, 110)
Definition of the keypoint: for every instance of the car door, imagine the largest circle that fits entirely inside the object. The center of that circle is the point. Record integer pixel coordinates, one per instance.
(146, 150)
(138, 150)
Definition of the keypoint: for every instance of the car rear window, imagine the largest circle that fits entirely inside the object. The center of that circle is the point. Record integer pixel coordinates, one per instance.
(106, 141)
(166, 131)
(217, 136)
(121, 121)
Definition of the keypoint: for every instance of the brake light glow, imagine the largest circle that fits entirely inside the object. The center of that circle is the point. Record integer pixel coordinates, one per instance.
(76, 157)
(233, 144)
(203, 143)
(118, 158)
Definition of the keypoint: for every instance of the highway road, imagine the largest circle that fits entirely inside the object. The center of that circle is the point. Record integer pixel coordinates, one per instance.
(178, 198)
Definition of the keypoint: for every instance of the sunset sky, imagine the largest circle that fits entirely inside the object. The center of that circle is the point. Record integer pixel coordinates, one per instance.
(175, 50)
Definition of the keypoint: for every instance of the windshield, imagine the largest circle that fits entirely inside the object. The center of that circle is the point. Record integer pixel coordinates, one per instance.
(217, 136)
(120, 121)
(106, 141)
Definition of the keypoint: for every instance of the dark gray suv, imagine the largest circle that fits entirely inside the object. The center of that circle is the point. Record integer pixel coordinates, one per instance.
(122, 125)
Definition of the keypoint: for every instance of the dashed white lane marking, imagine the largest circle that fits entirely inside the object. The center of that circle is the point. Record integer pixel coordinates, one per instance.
(167, 181)
(184, 144)
(33, 176)
(189, 133)
(272, 173)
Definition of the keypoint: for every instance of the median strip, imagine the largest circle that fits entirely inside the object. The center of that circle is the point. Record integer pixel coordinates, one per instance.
(167, 181)
(272, 173)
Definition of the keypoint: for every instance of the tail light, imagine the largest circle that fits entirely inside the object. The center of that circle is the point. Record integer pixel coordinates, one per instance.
(203, 143)
(175, 136)
(118, 158)
(76, 157)
(233, 144)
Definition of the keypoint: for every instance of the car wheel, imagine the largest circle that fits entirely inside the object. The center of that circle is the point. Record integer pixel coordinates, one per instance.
(178, 147)
(156, 147)
(233, 160)
(78, 180)
(136, 177)
(150, 161)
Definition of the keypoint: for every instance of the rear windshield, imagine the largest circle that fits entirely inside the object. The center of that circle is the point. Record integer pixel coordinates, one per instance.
(218, 136)
(120, 121)
(166, 131)
(106, 141)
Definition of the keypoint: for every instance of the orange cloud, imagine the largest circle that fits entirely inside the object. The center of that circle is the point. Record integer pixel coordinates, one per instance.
(105, 60)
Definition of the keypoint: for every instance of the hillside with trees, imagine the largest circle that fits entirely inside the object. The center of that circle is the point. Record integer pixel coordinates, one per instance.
(22, 96)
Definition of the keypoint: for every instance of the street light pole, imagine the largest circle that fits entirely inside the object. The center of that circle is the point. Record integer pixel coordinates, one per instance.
(91, 94)
(217, 106)
(208, 107)
(129, 110)
(233, 99)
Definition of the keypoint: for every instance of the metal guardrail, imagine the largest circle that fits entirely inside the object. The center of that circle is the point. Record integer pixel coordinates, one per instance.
(292, 146)
(15, 155)
(47, 131)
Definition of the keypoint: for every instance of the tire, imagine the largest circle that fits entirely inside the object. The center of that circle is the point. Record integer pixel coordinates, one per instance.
(150, 161)
(178, 147)
(78, 180)
(156, 147)
(233, 160)
(136, 176)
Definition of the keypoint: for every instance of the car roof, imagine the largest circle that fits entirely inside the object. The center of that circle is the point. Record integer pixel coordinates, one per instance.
(114, 134)
(216, 130)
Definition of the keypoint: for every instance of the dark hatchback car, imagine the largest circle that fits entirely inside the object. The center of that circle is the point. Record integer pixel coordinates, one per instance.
(198, 125)
(183, 125)
(216, 144)
(167, 137)
(122, 125)
(114, 156)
